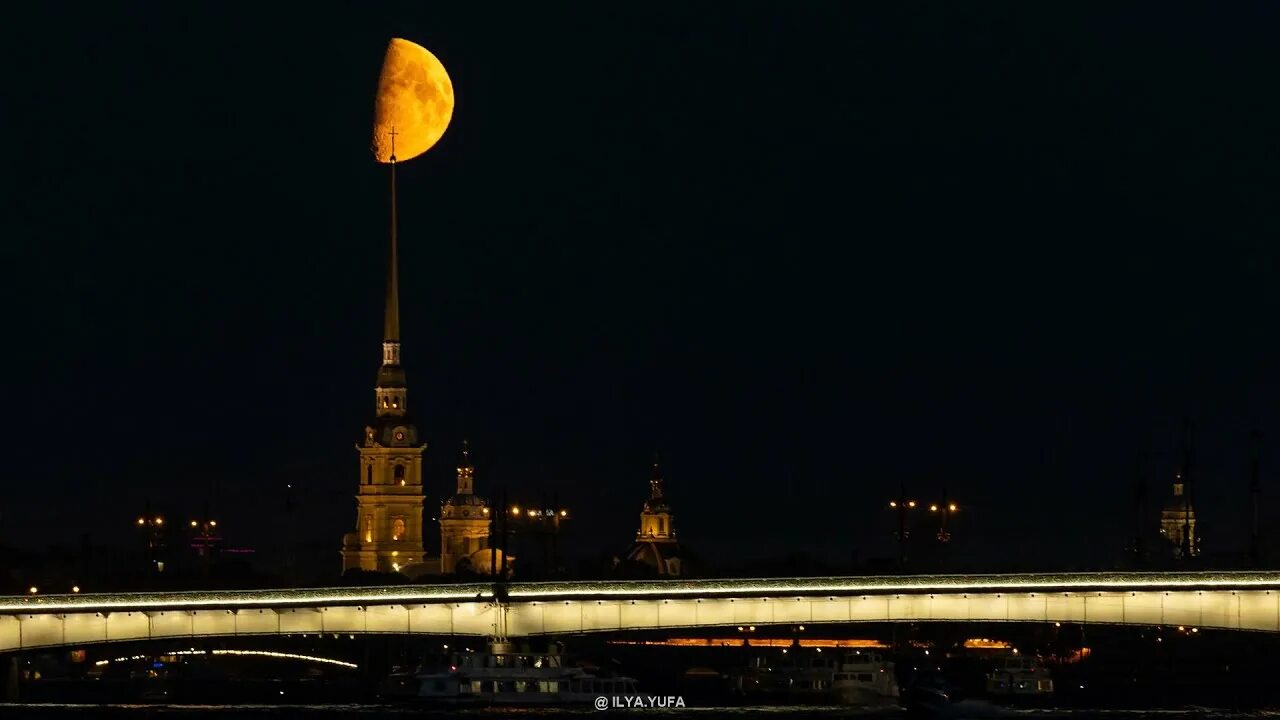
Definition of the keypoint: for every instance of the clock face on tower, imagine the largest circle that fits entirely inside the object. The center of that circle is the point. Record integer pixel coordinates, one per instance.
(399, 435)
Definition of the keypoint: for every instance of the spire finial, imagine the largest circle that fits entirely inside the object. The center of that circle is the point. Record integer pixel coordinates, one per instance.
(466, 472)
(655, 483)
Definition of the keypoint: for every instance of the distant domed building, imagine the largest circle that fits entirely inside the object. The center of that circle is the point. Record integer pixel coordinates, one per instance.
(464, 526)
(656, 546)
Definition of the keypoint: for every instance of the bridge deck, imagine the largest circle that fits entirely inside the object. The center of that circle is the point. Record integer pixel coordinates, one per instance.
(1236, 600)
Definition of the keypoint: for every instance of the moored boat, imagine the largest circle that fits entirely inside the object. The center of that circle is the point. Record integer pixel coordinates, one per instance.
(503, 674)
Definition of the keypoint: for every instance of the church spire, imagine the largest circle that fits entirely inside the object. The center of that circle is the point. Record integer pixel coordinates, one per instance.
(655, 482)
(391, 392)
(466, 471)
(391, 329)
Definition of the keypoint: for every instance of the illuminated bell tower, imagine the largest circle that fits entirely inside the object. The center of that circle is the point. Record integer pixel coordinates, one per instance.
(464, 524)
(655, 518)
(388, 536)
(656, 544)
(1178, 521)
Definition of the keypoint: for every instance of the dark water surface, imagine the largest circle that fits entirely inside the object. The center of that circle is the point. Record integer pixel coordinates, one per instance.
(397, 712)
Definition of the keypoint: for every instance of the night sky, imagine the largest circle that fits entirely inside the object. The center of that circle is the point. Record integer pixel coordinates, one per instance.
(806, 252)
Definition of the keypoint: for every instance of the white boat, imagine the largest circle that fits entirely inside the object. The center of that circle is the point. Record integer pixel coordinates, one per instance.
(1018, 676)
(849, 678)
(865, 678)
(505, 675)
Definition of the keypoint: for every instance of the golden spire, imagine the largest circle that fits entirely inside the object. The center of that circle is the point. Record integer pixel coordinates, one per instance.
(391, 332)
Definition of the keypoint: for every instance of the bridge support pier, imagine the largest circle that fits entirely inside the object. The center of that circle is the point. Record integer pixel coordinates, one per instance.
(9, 678)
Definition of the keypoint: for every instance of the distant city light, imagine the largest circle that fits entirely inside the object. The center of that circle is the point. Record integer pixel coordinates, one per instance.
(33, 590)
(75, 588)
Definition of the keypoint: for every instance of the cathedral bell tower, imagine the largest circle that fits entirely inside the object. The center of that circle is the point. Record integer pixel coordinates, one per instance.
(464, 525)
(1178, 521)
(388, 535)
(656, 545)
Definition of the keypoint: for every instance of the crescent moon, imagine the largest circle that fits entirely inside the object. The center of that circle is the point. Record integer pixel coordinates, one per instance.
(415, 99)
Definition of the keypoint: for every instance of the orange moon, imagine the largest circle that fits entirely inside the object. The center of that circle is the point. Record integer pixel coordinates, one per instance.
(415, 97)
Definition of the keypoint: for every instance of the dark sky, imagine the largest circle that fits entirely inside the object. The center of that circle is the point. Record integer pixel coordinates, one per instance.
(806, 251)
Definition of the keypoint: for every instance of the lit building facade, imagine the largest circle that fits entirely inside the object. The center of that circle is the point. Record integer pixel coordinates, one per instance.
(1178, 521)
(388, 533)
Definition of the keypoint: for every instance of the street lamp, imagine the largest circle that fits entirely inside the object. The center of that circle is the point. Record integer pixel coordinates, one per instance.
(945, 510)
(153, 536)
(903, 505)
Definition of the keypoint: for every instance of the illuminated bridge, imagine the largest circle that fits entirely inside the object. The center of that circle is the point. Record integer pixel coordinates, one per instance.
(1233, 600)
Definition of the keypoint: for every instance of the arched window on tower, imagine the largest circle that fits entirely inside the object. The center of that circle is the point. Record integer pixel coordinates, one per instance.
(400, 475)
(368, 474)
(662, 526)
(397, 529)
